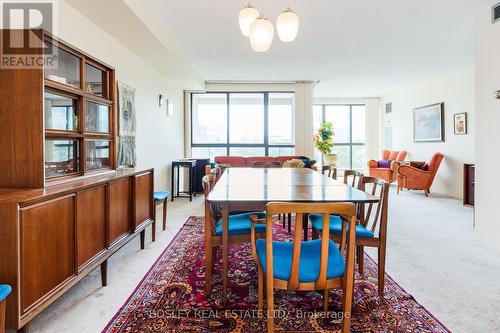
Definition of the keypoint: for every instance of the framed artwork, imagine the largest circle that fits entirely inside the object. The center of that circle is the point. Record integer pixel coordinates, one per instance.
(460, 123)
(127, 126)
(428, 123)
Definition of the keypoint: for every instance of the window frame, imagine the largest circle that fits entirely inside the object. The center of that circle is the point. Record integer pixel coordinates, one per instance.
(266, 145)
(349, 144)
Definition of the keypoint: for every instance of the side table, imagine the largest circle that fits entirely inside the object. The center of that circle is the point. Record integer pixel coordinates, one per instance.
(176, 165)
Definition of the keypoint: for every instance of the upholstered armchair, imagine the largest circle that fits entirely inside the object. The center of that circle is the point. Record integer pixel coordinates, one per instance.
(386, 167)
(414, 178)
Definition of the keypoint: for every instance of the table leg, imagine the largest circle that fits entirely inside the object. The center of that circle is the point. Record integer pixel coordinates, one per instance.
(172, 183)
(191, 176)
(178, 177)
(225, 241)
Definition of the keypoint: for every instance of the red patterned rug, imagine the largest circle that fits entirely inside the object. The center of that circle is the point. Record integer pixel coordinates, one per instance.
(170, 298)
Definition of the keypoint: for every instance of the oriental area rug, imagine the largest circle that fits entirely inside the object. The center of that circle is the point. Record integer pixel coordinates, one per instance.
(170, 297)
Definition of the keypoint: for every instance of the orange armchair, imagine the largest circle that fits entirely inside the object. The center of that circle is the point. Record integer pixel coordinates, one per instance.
(387, 173)
(417, 179)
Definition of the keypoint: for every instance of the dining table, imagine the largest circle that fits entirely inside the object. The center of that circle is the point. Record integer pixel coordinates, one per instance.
(251, 189)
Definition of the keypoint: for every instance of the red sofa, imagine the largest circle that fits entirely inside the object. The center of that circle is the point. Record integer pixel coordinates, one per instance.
(247, 162)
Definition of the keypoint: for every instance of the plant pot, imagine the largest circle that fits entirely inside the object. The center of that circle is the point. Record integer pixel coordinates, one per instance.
(329, 159)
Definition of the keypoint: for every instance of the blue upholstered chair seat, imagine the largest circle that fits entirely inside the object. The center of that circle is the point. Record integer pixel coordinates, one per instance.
(336, 225)
(5, 290)
(240, 224)
(161, 195)
(310, 253)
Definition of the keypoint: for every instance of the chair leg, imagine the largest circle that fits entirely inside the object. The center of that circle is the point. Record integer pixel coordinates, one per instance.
(397, 190)
(346, 309)
(208, 268)
(361, 256)
(326, 293)
(381, 269)
(289, 222)
(270, 309)
(426, 193)
(284, 220)
(165, 215)
(260, 291)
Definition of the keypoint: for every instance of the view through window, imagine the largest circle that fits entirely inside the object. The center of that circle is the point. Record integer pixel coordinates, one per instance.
(349, 127)
(243, 124)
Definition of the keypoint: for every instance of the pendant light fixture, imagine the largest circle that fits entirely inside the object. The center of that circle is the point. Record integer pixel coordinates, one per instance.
(287, 25)
(247, 16)
(261, 30)
(261, 34)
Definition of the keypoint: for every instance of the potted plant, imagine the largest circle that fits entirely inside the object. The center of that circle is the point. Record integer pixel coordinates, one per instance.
(324, 141)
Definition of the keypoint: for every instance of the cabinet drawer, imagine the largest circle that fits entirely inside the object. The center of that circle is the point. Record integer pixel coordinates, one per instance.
(47, 247)
(120, 209)
(90, 223)
(143, 189)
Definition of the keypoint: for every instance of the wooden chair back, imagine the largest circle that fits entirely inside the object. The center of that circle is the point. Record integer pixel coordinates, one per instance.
(353, 178)
(347, 210)
(267, 164)
(216, 172)
(331, 171)
(208, 169)
(211, 211)
(373, 215)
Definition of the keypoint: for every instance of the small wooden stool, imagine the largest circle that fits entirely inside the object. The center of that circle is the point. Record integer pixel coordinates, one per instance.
(161, 197)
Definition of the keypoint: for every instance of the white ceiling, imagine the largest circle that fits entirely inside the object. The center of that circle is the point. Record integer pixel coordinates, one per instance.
(353, 47)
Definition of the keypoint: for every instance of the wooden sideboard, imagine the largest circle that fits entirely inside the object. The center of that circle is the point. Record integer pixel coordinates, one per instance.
(50, 238)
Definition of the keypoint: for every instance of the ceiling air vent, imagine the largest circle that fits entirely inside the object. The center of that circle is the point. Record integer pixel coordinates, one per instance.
(496, 13)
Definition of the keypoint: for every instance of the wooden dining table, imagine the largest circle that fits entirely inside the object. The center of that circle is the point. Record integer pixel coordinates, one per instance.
(250, 189)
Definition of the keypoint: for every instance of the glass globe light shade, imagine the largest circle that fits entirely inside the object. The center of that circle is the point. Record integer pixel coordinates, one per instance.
(287, 26)
(261, 35)
(247, 16)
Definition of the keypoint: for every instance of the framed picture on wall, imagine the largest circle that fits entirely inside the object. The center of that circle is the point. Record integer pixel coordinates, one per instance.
(460, 123)
(428, 123)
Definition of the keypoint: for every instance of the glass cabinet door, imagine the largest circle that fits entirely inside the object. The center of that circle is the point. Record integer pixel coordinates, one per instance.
(61, 112)
(61, 157)
(97, 118)
(98, 153)
(95, 80)
(67, 69)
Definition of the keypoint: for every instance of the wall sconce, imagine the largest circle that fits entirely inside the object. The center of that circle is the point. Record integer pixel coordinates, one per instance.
(161, 101)
(497, 94)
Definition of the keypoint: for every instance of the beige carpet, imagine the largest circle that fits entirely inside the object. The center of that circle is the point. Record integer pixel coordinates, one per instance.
(433, 253)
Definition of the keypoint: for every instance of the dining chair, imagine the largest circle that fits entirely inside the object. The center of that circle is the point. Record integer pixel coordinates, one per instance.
(371, 227)
(305, 265)
(4, 292)
(352, 178)
(239, 229)
(267, 164)
(331, 171)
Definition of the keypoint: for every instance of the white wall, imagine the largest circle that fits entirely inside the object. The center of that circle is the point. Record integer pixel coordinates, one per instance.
(457, 91)
(159, 137)
(488, 134)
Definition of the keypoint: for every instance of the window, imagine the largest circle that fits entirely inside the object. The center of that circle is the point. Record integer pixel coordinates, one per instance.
(349, 127)
(243, 124)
